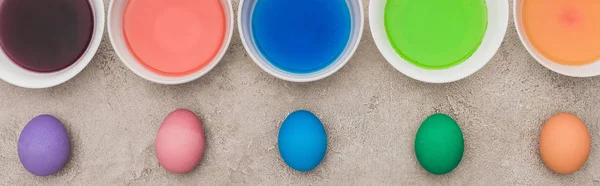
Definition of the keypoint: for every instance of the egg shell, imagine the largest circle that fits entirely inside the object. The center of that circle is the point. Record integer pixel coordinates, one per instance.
(565, 143)
(439, 144)
(44, 146)
(302, 141)
(180, 142)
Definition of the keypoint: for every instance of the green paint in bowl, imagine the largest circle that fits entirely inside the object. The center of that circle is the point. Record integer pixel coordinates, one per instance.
(435, 34)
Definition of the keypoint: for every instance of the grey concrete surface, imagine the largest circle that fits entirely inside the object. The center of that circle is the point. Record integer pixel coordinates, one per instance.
(370, 110)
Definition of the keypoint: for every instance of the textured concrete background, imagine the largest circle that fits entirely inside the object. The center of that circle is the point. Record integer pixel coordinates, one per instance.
(370, 110)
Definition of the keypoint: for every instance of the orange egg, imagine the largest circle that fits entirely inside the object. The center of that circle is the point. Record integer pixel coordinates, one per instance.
(565, 143)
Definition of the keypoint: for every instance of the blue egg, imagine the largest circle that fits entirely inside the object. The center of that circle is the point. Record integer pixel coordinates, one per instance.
(302, 141)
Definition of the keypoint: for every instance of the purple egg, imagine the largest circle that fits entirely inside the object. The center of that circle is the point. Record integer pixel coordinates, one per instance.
(44, 146)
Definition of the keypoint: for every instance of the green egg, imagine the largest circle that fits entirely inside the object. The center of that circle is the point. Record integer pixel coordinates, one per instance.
(439, 144)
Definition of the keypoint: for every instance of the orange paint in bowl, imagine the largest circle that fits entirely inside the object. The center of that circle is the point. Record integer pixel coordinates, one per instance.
(564, 31)
(174, 37)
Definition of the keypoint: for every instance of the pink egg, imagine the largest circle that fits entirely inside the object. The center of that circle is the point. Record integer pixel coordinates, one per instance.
(180, 142)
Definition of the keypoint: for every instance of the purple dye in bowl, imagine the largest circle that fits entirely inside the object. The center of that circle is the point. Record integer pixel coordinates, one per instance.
(45, 35)
(44, 146)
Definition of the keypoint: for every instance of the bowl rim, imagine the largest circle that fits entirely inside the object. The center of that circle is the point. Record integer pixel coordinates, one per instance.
(589, 70)
(38, 80)
(496, 34)
(143, 72)
(342, 60)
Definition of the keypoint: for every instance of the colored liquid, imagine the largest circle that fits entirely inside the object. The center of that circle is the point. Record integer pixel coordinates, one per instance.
(435, 34)
(301, 36)
(45, 35)
(564, 31)
(174, 37)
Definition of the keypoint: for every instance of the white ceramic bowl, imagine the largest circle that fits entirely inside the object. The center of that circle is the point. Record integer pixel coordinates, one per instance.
(245, 11)
(19, 76)
(498, 13)
(115, 31)
(589, 70)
